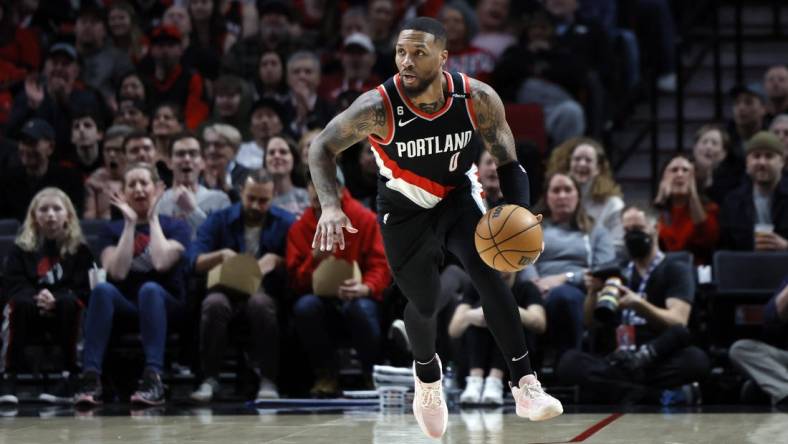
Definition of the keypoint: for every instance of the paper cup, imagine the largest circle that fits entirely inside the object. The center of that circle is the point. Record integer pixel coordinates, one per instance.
(96, 276)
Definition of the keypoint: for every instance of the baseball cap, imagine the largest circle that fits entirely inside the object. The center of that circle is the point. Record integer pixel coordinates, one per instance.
(64, 48)
(360, 40)
(38, 129)
(165, 33)
(753, 89)
(764, 141)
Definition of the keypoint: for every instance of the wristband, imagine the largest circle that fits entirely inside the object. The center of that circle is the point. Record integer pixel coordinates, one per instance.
(514, 184)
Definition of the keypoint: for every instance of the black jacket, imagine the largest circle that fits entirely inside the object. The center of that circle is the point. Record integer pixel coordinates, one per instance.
(737, 217)
(17, 189)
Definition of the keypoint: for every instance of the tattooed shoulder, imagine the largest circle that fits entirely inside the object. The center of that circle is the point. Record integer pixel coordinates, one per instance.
(365, 116)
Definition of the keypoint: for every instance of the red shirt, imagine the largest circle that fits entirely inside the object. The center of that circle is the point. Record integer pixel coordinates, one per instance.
(364, 247)
(677, 232)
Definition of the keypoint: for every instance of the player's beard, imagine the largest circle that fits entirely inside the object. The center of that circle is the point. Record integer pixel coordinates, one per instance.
(421, 85)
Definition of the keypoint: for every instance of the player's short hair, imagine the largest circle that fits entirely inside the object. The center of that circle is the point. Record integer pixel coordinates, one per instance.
(428, 25)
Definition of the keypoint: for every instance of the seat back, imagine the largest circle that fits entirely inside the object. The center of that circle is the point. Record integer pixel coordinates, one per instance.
(749, 272)
(9, 227)
(527, 123)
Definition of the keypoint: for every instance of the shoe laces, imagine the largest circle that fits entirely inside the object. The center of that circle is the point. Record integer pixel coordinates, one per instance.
(534, 391)
(431, 397)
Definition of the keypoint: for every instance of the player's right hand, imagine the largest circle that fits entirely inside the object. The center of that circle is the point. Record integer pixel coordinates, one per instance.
(329, 229)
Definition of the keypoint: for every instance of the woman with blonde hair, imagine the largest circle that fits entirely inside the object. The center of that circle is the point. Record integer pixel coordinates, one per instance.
(584, 159)
(47, 285)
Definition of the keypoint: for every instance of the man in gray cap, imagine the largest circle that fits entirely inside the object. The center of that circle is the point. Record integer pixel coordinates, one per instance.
(36, 145)
(755, 215)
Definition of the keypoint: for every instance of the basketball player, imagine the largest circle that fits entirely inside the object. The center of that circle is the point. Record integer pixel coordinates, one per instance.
(426, 127)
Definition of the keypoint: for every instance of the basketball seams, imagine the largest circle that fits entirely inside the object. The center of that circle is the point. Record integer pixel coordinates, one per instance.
(508, 238)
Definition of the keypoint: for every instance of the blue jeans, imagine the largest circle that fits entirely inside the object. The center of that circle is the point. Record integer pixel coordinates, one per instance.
(564, 306)
(151, 310)
(322, 323)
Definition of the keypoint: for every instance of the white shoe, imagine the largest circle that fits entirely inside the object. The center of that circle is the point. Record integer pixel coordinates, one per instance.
(473, 390)
(493, 391)
(472, 418)
(205, 391)
(493, 419)
(667, 83)
(267, 390)
(429, 405)
(532, 401)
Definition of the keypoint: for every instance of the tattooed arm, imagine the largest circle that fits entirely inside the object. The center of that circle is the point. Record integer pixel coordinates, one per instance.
(491, 122)
(498, 139)
(367, 115)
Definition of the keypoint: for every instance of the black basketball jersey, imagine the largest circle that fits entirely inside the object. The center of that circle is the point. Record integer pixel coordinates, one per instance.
(425, 156)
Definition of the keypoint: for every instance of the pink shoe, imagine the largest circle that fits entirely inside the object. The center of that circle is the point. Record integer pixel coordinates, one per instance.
(532, 401)
(429, 406)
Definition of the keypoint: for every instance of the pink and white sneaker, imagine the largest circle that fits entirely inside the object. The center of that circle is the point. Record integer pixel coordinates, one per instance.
(429, 405)
(532, 401)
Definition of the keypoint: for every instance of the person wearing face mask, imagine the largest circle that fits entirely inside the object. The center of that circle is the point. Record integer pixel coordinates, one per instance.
(687, 221)
(46, 283)
(187, 199)
(573, 245)
(253, 227)
(651, 358)
(86, 134)
(109, 178)
(18, 186)
(143, 256)
(755, 215)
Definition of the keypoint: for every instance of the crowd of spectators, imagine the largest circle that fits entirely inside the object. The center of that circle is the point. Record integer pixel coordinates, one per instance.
(181, 127)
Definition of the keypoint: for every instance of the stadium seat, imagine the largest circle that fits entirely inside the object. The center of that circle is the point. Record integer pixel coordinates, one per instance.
(527, 123)
(9, 227)
(749, 273)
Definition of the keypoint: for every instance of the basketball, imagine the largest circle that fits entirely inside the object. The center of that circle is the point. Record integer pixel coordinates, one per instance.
(509, 238)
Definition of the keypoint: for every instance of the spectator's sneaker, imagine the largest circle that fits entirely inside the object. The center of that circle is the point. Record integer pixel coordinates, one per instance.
(8, 389)
(150, 391)
(62, 393)
(493, 391)
(266, 390)
(532, 401)
(687, 394)
(206, 391)
(473, 390)
(326, 385)
(399, 336)
(493, 419)
(429, 405)
(88, 389)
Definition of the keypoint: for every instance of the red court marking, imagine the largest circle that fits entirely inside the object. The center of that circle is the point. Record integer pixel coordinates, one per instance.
(587, 433)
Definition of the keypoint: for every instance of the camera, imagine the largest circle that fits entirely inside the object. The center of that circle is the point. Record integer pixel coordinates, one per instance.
(606, 310)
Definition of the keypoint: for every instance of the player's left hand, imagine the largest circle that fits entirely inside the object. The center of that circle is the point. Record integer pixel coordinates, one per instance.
(330, 229)
(352, 289)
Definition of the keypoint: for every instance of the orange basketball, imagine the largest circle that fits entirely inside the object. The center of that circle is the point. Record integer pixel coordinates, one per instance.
(509, 238)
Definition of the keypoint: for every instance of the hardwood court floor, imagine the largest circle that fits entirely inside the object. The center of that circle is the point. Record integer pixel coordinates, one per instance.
(366, 426)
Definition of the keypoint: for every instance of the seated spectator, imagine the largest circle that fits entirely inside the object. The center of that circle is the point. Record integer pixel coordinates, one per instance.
(358, 58)
(469, 324)
(231, 104)
(167, 123)
(586, 162)
(495, 34)
(654, 352)
(209, 27)
(102, 63)
(131, 86)
(382, 16)
(270, 80)
(305, 107)
(779, 127)
(323, 322)
(284, 165)
(20, 55)
(775, 83)
(139, 148)
(256, 228)
(46, 283)
(107, 180)
(18, 187)
(220, 147)
(749, 115)
(196, 57)
(142, 255)
(687, 221)
(54, 96)
(362, 177)
(133, 113)
(488, 177)
(86, 133)
(573, 245)
(718, 170)
(755, 215)
(172, 82)
(267, 118)
(305, 142)
(765, 363)
(124, 30)
(461, 27)
(187, 199)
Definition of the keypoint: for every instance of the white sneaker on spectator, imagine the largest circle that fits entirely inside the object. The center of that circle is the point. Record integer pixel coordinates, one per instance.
(667, 83)
(472, 420)
(493, 391)
(532, 401)
(473, 390)
(206, 391)
(267, 390)
(493, 419)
